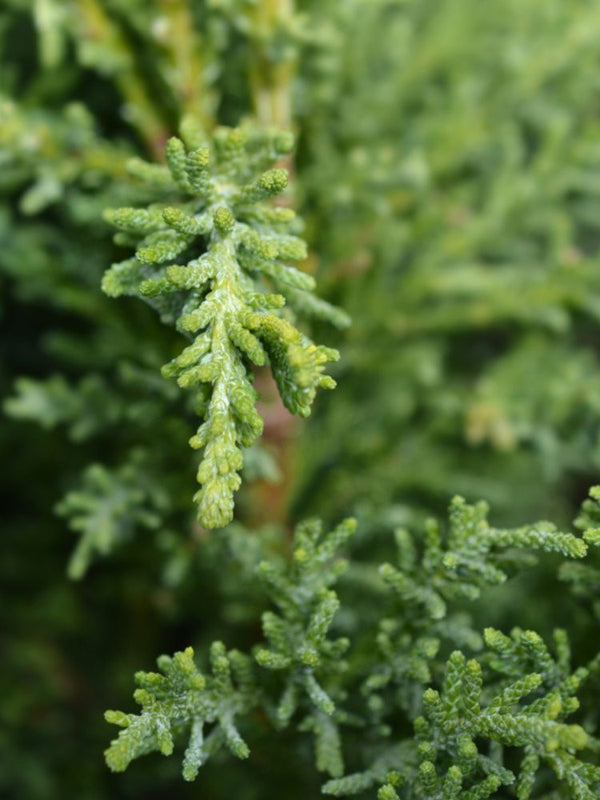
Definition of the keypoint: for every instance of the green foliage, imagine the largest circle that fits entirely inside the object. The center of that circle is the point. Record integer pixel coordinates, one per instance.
(447, 167)
(434, 574)
(182, 698)
(230, 242)
(585, 578)
(469, 558)
(53, 402)
(106, 510)
(297, 636)
(457, 223)
(514, 695)
(461, 713)
(53, 152)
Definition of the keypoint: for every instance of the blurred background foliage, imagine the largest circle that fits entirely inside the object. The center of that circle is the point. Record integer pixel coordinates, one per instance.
(448, 172)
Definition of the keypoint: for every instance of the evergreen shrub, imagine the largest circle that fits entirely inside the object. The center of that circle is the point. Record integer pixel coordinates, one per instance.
(213, 211)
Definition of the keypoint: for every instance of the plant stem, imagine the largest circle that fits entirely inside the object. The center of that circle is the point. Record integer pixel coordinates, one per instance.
(271, 76)
(271, 82)
(187, 55)
(99, 29)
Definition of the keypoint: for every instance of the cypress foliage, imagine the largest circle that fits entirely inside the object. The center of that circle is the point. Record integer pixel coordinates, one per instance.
(217, 297)
(440, 190)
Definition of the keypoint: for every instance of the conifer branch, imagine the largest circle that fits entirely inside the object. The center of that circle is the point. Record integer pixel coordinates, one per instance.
(447, 169)
(106, 509)
(208, 261)
(518, 694)
(473, 712)
(468, 557)
(183, 699)
(297, 636)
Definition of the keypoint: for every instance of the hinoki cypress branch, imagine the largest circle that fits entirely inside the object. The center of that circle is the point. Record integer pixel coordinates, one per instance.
(212, 259)
(447, 170)
(516, 695)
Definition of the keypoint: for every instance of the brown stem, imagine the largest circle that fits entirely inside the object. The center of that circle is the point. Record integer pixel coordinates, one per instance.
(271, 85)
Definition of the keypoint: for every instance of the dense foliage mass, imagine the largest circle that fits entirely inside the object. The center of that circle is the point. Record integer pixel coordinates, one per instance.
(431, 168)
